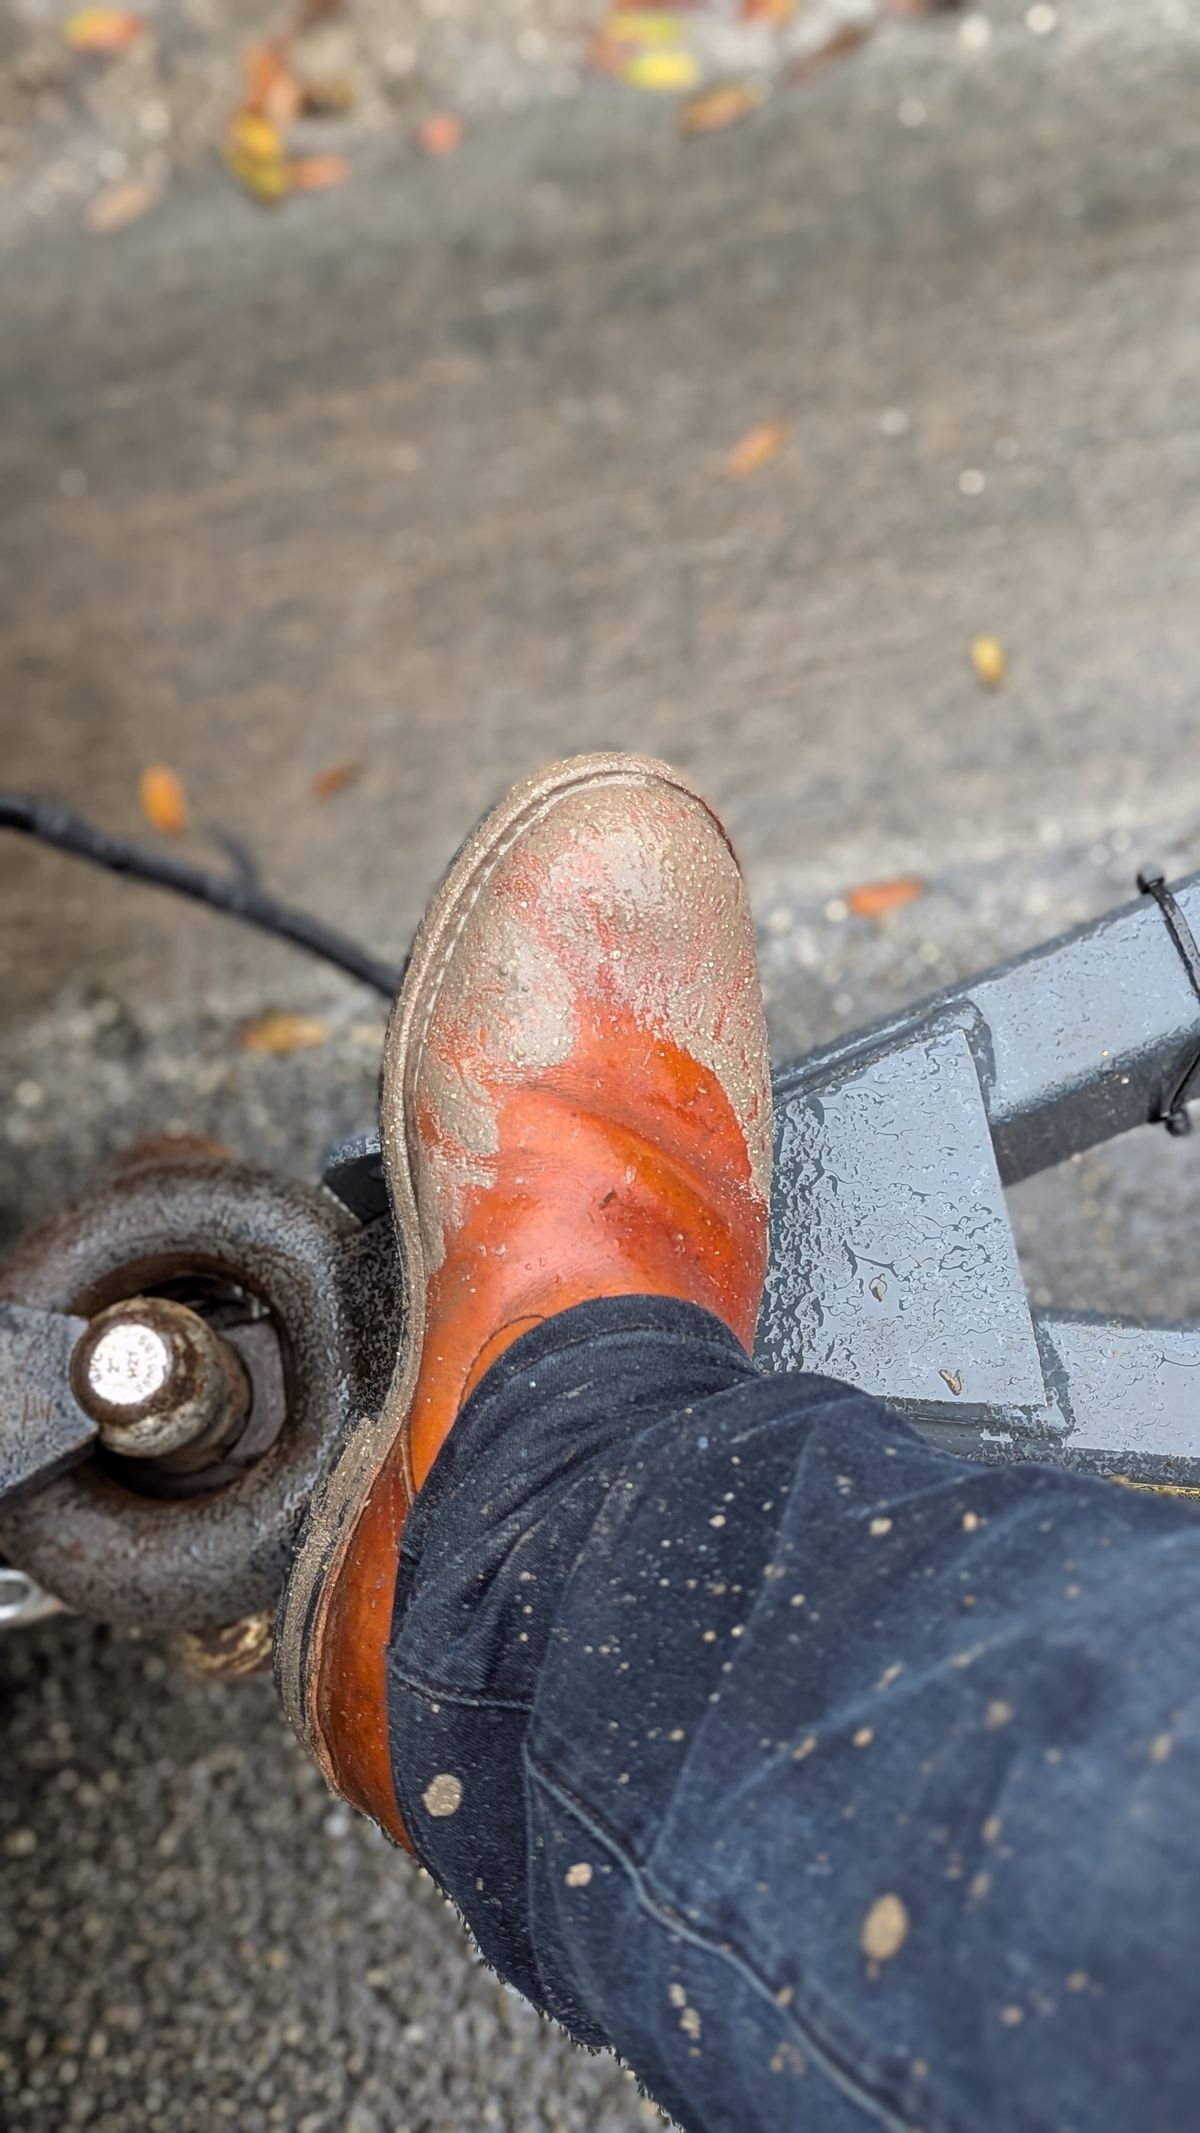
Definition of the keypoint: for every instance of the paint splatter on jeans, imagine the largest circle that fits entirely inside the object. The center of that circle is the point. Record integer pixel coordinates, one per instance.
(830, 1780)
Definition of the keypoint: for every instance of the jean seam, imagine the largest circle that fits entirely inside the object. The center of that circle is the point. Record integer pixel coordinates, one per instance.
(435, 1692)
(886, 2109)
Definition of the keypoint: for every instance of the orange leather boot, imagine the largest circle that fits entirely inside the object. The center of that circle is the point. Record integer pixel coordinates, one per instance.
(576, 1103)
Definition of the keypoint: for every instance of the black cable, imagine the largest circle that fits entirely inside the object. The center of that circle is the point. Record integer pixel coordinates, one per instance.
(1153, 882)
(235, 894)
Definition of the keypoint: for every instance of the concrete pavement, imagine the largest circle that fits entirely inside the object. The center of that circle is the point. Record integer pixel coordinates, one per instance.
(429, 476)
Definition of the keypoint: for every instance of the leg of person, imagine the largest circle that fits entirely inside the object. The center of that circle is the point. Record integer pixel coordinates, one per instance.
(832, 1781)
(795, 1747)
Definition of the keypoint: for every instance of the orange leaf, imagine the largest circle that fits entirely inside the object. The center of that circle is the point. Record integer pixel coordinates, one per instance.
(876, 898)
(440, 134)
(335, 780)
(117, 205)
(162, 799)
(719, 107)
(103, 29)
(757, 448)
(837, 45)
(272, 91)
(604, 55)
(281, 1034)
(315, 174)
(768, 10)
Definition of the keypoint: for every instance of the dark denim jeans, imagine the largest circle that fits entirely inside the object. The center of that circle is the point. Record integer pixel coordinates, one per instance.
(834, 1782)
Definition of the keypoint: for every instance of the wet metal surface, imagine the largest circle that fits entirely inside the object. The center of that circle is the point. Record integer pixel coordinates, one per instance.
(893, 1264)
(1126, 1397)
(43, 1429)
(1078, 1040)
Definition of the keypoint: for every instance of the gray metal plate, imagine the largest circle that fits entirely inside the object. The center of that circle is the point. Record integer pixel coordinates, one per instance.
(1129, 1396)
(42, 1428)
(893, 1264)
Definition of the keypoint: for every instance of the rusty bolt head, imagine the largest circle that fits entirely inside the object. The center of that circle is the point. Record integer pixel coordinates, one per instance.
(155, 1378)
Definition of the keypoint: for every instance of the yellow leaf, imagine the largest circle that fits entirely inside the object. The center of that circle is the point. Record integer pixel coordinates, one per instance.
(117, 205)
(266, 181)
(103, 29)
(757, 448)
(162, 799)
(281, 1034)
(629, 31)
(718, 107)
(630, 26)
(989, 662)
(252, 135)
(669, 71)
(874, 899)
(254, 156)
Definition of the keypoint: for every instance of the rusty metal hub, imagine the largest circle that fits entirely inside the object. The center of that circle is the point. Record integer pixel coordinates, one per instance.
(224, 1312)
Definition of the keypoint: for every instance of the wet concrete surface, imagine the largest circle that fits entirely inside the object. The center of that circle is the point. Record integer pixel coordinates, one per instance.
(430, 477)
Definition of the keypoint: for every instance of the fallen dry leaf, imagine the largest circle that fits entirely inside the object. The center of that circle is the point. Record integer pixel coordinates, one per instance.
(640, 26)
(726, 103)
(119, 204)
(103, 29)
(281, 1034)
(315, 174)
(844, 40)
(768, 10)
(162, 799)
(757, 448)
(874, 899)
(989, 662)
(669, 71)
(335, 780)
(272, 91)
(440, 134)
(254, 155)
(630, 30)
